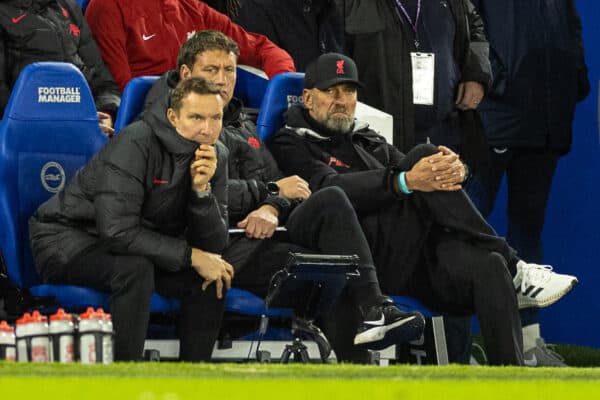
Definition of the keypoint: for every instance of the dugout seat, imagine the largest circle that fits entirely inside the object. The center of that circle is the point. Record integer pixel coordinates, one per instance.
(250, 85)
(83, 4)
(283, 91)
(49, 130)
(132, 100)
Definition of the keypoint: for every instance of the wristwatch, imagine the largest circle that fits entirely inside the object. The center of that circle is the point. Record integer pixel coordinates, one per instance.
(272, 189)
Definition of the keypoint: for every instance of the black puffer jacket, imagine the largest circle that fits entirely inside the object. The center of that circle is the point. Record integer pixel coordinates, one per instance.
(135, 196)
(251, 165)
(51, 30)
(299, 149)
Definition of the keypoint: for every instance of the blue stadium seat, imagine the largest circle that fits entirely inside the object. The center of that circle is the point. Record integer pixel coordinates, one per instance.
(83, 4)
(250, 86)
(132, 101)
(49, 130)
(283, 91)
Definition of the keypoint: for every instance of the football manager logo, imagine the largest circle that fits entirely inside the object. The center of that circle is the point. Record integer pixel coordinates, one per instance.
(53, 177)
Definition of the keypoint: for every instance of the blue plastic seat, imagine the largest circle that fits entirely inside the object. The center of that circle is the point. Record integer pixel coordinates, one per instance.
(49, 130)
(83, 4)
(283, 91)
(250, 86)
(132, 100)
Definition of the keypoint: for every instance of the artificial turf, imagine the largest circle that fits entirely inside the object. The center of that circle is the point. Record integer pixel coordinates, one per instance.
(174, 381)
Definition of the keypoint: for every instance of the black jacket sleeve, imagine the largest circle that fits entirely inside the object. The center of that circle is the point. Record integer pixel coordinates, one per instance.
(583, 83)
(475, 62)
(246, 193)
(365, 189)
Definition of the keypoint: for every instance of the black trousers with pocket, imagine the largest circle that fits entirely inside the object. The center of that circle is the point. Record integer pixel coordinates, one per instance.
(131, 280)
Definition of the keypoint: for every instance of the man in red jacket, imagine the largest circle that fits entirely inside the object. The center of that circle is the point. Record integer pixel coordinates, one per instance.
(143, 37)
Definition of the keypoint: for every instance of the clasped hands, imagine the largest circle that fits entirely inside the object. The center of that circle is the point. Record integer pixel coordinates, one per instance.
(441, 171)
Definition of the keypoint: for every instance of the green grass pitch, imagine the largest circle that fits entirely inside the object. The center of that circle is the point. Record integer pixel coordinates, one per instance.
(174, 381)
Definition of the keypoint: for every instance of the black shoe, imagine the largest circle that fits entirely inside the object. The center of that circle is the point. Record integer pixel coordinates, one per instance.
(385, 325)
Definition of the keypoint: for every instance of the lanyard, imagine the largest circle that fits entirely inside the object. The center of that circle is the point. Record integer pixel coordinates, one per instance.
(414, 24)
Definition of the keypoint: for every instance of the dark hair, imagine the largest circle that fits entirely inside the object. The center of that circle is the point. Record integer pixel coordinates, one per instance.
(191, 85)
(203, 41)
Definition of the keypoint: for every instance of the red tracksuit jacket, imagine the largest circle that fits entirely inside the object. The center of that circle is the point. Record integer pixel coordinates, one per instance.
(142, 37)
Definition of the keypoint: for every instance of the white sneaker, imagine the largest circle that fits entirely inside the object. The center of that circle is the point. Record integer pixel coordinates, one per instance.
(537, 286)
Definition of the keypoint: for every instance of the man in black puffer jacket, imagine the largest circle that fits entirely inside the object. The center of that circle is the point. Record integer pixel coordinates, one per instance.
(142, 216)
(53, 30)
(260, 198)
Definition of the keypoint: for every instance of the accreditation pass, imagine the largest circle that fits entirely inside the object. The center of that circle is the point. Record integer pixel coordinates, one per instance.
(423, 71)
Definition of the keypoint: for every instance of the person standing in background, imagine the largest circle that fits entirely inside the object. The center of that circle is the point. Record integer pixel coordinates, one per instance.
(53, 30)
(425, 63)
(143, 37)
(537, 58)
(304, 28)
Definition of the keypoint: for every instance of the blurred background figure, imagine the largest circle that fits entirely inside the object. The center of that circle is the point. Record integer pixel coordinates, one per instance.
(537, 57)
(53, 30)
(427, 64)
(143, 37)
(230, 8)
(304, 28)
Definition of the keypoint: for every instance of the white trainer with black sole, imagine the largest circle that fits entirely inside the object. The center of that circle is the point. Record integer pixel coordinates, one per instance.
(386, 325)
(539, 286)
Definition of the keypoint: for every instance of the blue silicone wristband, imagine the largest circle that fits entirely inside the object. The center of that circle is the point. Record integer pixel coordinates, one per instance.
(402, 183)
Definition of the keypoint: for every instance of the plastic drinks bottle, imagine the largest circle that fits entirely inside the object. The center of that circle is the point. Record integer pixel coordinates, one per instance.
(62, 333)
(107, 337)
(32, 338)
(8, 350)
(90, 337)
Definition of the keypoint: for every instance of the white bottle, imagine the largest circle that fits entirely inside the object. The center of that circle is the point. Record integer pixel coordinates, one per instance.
(32, 338)
(22, 336)
(8, 351)
(107, 337)
(90, 337)
(62, 331)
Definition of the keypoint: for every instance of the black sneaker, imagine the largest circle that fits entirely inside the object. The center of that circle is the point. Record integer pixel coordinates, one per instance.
(385, 325)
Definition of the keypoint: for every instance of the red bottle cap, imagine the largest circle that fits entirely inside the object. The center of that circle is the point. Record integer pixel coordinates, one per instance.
(5, 327)
(25, 319)
(60, 315)
(37, 317)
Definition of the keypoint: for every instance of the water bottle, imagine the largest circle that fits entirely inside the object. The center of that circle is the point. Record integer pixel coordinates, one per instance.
(32, 338)
(107, 337)
(90, 337)
(62, 335)
(8, 351)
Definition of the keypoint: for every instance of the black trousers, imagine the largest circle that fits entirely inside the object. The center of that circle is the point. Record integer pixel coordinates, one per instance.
(529, 174)
(324, 223)
(437, 248)
(131, 280)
